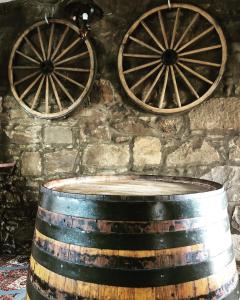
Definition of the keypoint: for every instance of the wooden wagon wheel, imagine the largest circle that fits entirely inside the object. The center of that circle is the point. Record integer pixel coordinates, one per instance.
(171, 60)
(51, 69)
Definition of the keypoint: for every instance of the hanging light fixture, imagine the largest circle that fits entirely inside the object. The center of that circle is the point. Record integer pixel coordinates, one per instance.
(84, 14)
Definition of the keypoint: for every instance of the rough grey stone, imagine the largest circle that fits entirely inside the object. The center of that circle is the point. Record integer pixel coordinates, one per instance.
(58, 135)
(106, 156)
(230, 177)
(236, 218)
(236, 246)
(60, 162)
(104, 92)
(234, 153)
(31, 164)
(168, 126)
(135, 127)
(92, 131)
(191, 153)
(216, 114)
(25, 135)
(146, 152)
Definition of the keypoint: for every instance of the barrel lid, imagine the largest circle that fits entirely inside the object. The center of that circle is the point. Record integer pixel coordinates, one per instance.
(132, 185)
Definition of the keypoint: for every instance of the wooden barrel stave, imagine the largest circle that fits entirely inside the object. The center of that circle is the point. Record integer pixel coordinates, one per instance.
(134, 259)
(132, 278)
(57, 286)
(132, 248)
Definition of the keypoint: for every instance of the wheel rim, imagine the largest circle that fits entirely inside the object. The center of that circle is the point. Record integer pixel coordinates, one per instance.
(168, 57)
(51, 70)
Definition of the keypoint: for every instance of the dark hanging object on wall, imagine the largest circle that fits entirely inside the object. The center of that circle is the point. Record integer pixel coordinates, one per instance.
(132, 237)
(172, 58)
(84, 14)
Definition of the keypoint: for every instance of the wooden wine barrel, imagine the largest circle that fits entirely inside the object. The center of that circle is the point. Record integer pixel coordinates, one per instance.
(132, 238)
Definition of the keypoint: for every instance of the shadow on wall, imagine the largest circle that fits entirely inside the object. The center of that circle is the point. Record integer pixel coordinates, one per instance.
(16, 215)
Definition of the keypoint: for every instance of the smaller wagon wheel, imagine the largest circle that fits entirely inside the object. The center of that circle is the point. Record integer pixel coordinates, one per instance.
(171, 60)
(51, 69)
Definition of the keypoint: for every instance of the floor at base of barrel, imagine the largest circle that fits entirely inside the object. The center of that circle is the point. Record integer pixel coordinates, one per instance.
(13, 277)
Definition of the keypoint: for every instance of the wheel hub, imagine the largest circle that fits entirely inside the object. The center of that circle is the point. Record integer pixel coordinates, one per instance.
(47, 67)
(169, 57)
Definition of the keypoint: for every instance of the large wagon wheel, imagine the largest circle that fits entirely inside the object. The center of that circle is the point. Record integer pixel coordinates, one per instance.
(171, 60)
(51, 69)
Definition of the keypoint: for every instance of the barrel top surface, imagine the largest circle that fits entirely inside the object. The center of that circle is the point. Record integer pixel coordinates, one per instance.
(131, 186)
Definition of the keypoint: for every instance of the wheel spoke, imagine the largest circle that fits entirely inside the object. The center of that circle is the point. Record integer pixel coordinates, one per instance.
(200, 62)
(35, 99)
(27, 57)
(205, 49)
(196, 16)
(63, 88)
(28, 89)
(175, 28)
(175, 86)
(164, 87)
(195, 73)
(33, 48)
(67, 49)
(142, 79)
(70, 80)
(25, 67)
(184, 78)
(26, 78)
(163, 29)
(132, 55)
(196, 38)
(142, 66)
(41, 43)
(73, 69)
(152, 35)
(145, 45)
(60, 43)
(71, 58)
(47, 96)
(56, 93)
(50, 44)
(154, 84)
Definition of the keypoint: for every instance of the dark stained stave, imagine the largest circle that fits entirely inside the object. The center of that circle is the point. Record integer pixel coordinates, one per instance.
(151, 241)
(129, 278)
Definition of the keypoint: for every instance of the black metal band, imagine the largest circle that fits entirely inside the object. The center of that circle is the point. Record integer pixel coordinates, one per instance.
(126, 262)
(33, 293)
(153, 241)
(106, 226)
(234, 294)
(132, 209)
(126, 278)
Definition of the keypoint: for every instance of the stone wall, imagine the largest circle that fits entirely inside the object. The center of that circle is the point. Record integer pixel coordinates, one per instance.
(109, 135)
